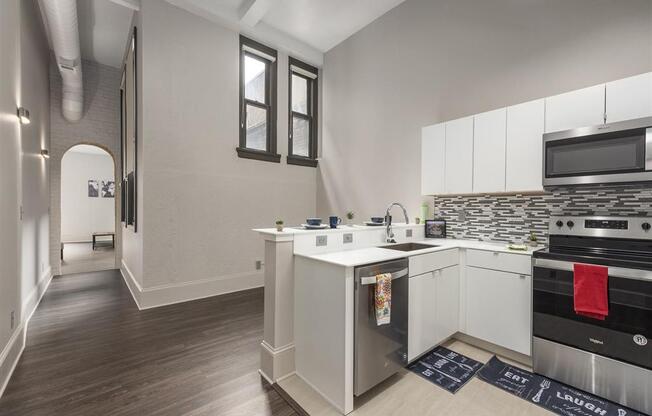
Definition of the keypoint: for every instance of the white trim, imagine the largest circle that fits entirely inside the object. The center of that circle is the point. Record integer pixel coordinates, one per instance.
(265, 376)
(303, 72)
(322, 395)
(258, 53)
(278, 350)
(132, 284)
(288, 375)
(10, 349)
(21, 331)
(37, 293)
(171, 293)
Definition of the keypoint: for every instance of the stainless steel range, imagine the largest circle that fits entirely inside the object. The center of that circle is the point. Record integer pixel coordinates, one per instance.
(611, 358)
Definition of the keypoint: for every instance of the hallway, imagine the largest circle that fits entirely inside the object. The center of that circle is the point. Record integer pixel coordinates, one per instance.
(90, 351)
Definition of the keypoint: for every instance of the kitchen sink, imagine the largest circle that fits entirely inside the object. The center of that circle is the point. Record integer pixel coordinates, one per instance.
(408, 246)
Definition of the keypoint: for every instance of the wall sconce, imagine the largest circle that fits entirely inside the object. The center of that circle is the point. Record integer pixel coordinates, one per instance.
(23, 115)
(45, 153)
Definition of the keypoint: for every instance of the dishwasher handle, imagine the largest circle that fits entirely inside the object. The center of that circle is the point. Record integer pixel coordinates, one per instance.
(371, 280)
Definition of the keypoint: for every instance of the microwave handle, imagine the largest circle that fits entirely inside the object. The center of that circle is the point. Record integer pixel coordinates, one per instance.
(618, 272)
(648, 148)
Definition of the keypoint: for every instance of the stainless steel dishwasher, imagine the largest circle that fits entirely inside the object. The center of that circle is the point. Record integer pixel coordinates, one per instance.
(380, 351)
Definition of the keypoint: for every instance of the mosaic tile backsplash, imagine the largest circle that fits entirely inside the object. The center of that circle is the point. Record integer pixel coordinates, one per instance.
(510, 218)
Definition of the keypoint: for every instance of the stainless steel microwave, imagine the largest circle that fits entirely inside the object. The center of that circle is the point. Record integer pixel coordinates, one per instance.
(609, 153)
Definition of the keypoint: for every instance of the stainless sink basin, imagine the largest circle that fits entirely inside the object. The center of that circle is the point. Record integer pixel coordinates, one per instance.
(408, 246)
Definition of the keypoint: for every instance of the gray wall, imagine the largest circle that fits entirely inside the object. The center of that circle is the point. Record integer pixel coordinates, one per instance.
(200, 199)
(23, 172)
(100, 126)
(10, 148)
(35, 88)
(428, 61)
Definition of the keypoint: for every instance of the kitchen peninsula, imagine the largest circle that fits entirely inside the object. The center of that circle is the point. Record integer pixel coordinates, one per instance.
(455, 288)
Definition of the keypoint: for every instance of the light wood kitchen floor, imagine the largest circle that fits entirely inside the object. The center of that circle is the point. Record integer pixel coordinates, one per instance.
(407, 394)
(91, 352)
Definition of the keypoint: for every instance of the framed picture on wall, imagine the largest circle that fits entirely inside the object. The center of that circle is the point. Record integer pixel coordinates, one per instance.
(108, 189)
(93, 188)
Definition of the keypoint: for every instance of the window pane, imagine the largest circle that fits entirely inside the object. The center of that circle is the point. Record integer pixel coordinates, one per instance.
(300, 136)
(299, 94)
(256, 128)
(254, 79)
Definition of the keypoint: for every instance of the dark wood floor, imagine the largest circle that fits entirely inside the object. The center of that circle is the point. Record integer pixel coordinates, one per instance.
(90, 351)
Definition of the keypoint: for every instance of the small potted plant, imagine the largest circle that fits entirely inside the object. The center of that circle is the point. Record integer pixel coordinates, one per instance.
(279, 225)
(349, 217)
(532, 239)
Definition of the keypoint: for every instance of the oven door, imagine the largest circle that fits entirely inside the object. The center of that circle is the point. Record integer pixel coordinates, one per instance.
(612, 153)
(625, 335)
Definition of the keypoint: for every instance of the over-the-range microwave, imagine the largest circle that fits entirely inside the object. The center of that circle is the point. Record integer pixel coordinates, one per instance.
(609, 153)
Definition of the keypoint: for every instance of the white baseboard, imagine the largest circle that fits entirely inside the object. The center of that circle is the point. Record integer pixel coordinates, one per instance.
(276, 363)
(132, 283)
(12, 352)
(161, 295)
(34, 298)
(10, 355)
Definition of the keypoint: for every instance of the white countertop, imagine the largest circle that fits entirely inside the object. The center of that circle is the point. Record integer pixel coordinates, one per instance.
(352, 258)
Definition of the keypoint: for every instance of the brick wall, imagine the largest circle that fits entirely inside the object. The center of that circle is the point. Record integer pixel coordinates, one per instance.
(100, 125)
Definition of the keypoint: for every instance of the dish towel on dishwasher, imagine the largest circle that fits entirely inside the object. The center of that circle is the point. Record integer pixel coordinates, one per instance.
(383, 298)
(590, 290)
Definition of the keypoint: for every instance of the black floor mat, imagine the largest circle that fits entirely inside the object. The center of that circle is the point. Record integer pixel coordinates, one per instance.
(549, 394)
(446, 368)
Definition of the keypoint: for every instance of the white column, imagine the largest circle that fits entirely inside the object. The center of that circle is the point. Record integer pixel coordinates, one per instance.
(277, 348)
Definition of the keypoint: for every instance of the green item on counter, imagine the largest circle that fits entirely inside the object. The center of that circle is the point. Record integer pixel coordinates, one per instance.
(425, 211)
(519, 247)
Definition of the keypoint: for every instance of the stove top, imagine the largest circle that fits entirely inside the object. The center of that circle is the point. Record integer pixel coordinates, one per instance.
(610, 241)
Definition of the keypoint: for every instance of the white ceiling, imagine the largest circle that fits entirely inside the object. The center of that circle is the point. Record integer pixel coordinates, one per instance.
(307, 28)
(325, 24)
(103, 30)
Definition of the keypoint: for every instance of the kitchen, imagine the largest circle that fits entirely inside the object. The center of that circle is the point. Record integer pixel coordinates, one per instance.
(523, 196)
(387, 207)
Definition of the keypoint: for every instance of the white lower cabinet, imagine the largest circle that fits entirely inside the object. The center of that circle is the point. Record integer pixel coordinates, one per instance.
(433, 309)
(499, 308)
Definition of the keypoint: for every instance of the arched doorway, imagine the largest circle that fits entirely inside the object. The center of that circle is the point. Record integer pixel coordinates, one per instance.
(88, 210)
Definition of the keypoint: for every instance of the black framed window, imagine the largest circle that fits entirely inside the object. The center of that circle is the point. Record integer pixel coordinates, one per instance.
(257, 101)
(302, 128)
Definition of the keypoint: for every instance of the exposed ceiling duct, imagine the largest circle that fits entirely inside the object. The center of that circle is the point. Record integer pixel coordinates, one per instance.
(61, 22)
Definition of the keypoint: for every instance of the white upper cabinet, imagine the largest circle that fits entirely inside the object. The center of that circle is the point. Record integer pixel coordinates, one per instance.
(524, 153)
(459, 156)
(580, 108)
(489, 151)
(433, 162)
(629, 98)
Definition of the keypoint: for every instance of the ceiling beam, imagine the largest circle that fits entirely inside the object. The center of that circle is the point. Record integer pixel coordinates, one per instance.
(130, 4)
(252, 11)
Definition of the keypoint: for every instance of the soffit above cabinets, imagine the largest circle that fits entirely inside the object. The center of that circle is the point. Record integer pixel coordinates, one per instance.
(306, 29)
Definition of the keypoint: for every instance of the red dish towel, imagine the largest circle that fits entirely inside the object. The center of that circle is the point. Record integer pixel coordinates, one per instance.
(591, 291)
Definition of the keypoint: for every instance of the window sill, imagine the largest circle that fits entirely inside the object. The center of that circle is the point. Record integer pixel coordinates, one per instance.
(302, 161)
(245, 153)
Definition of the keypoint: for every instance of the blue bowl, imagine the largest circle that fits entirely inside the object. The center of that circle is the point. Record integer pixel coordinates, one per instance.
(378, 220)
(313, 221)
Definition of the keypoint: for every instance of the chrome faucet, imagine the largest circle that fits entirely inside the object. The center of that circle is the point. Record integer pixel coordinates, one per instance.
(388, 221)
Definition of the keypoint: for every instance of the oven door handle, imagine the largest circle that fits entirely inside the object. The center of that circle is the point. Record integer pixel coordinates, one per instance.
(371, 280)
(619, 272)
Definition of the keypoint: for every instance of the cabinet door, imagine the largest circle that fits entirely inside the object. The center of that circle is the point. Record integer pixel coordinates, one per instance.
(524, 148)
(447, 287)
(422, 315)
(580, 108)
(459, 156)
(629, 98)
(433, 156)
(499, 308)
(489, 151)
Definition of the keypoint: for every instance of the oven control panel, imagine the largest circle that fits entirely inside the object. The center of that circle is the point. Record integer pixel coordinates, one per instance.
(607, 224)
(605, 227)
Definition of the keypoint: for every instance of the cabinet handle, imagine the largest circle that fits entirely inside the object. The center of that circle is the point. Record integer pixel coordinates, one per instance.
(522, 276)
(496, 253)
